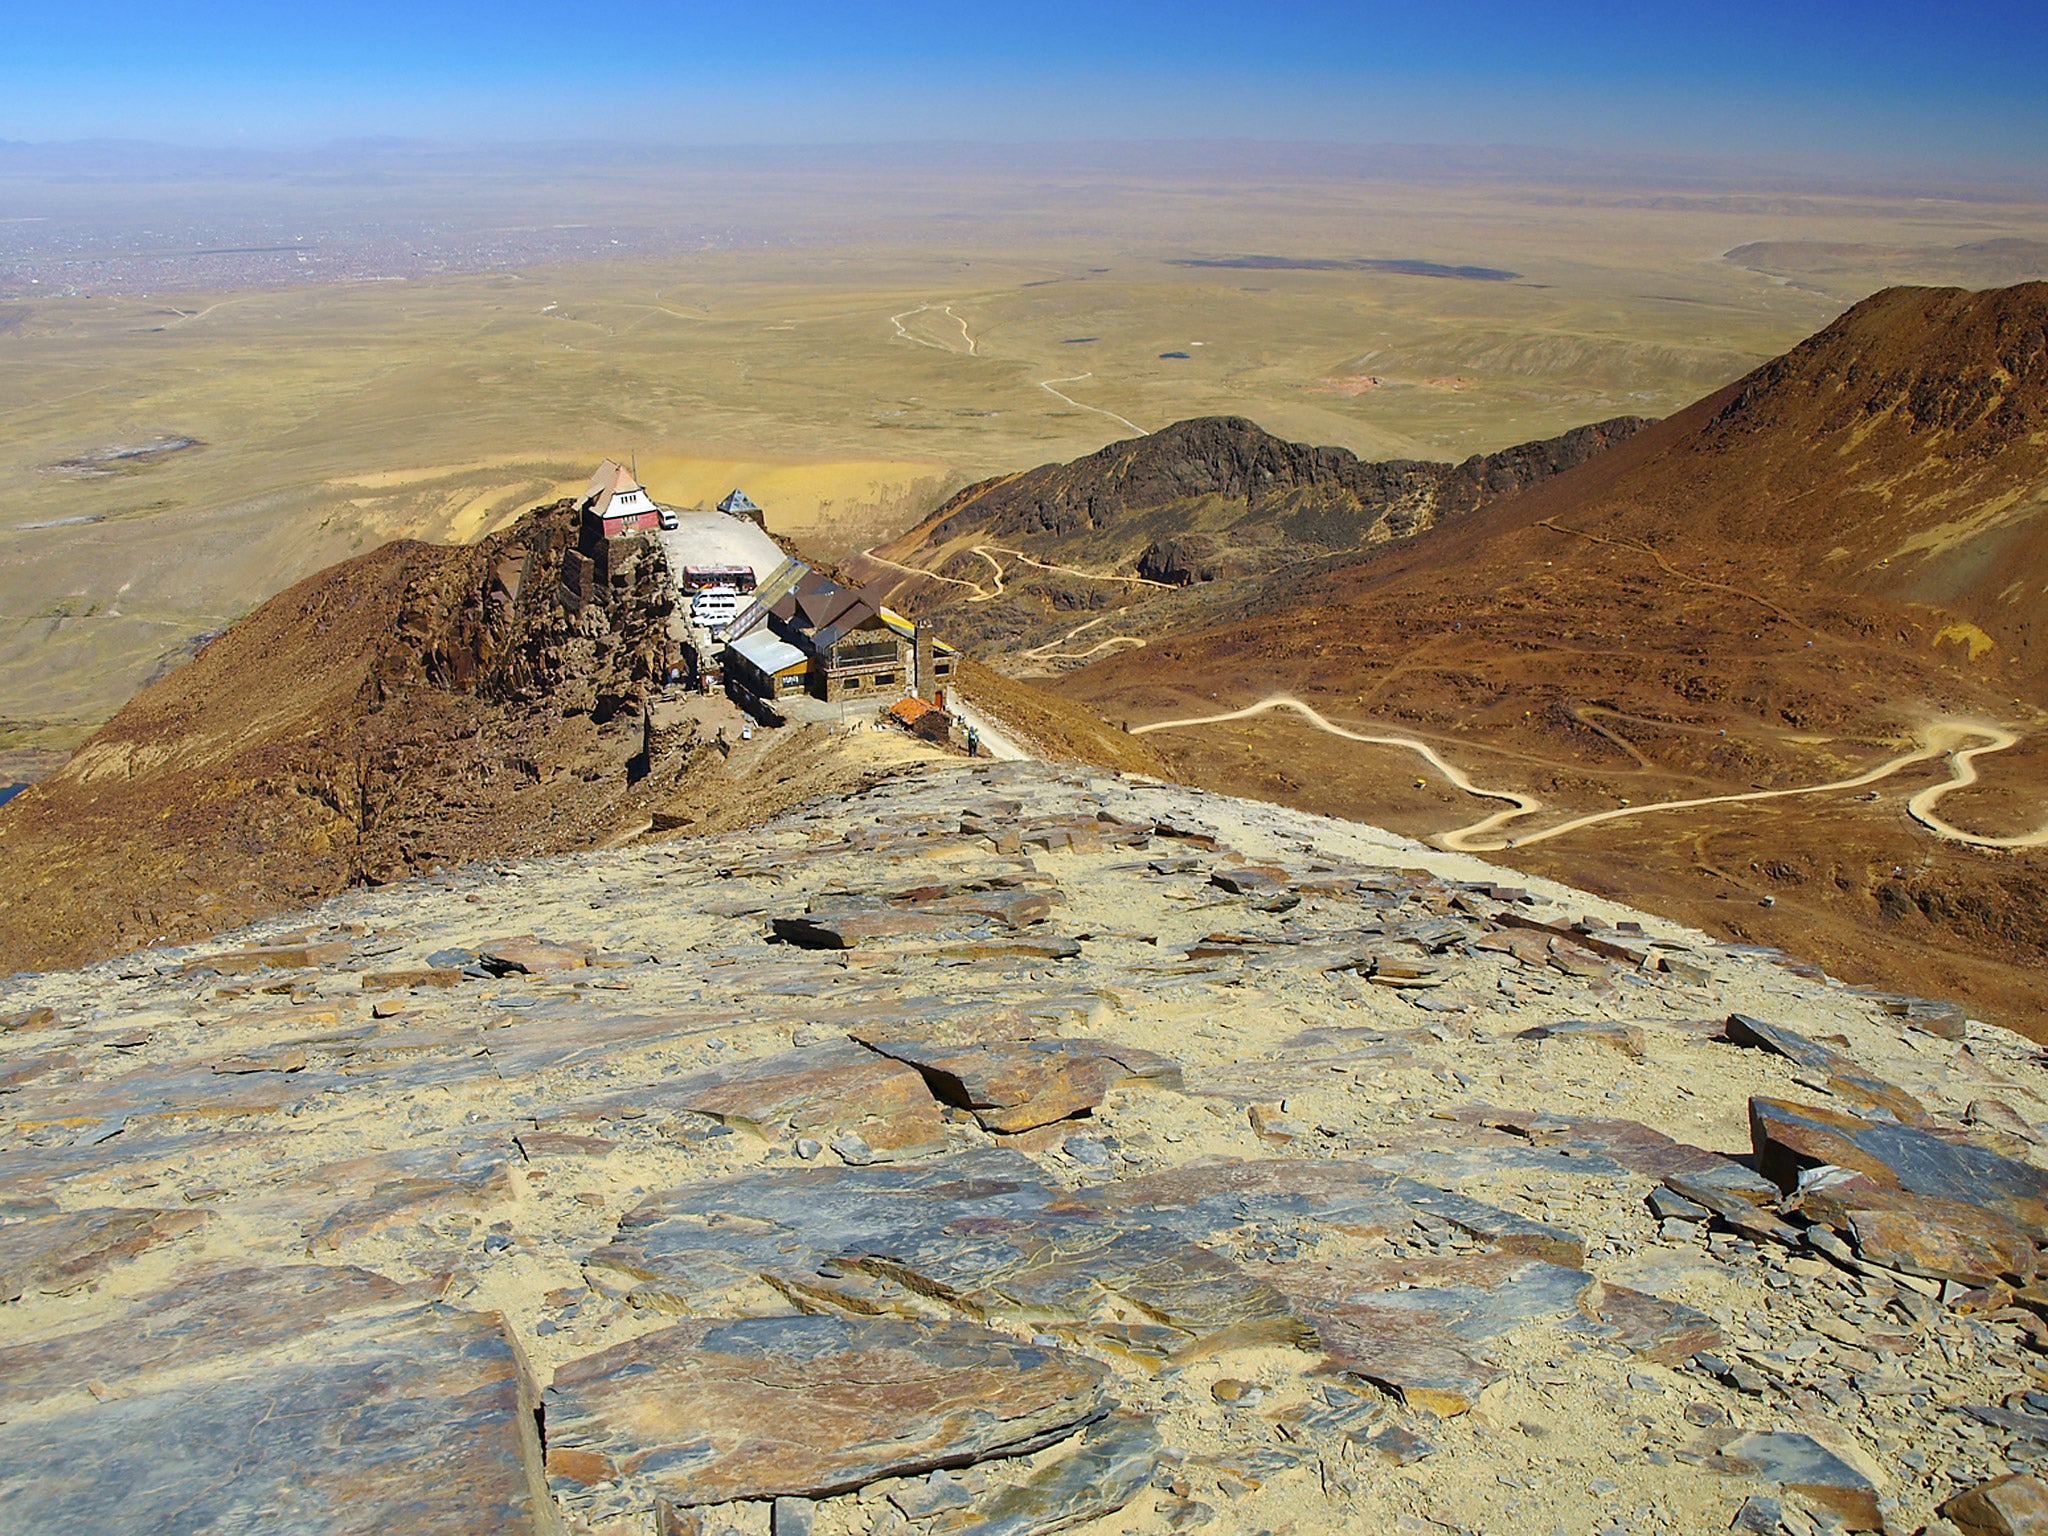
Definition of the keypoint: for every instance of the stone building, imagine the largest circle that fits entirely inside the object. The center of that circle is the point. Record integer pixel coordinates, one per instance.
(852, 646)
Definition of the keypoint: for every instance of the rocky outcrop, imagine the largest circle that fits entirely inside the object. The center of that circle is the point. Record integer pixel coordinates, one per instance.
(414, 707)
(1325, 498)
(1143, 1181)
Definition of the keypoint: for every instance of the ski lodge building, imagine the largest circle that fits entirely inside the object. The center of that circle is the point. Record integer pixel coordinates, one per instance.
(806, 633)
(616, 503)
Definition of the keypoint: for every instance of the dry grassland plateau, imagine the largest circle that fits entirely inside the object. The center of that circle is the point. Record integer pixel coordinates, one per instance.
(171, 456)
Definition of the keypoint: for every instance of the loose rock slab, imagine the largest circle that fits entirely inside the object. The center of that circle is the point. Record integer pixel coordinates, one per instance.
(1109, 1464)
(1790, 1138)
(2014, 1505)
(420, 1423)
(1018, 1085)
(819, 1090)
(770, 1407)
(1808, 1468)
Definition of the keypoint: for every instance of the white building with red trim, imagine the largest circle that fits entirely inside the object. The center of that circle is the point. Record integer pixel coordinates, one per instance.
(618, 503)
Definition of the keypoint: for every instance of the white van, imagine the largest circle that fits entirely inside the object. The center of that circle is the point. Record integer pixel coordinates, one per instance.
(715, 607)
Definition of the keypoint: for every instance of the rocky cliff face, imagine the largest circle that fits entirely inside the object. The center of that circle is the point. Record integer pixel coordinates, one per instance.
(1212, 503)
(1325, 496)
(1002, 1152)
(419, 705)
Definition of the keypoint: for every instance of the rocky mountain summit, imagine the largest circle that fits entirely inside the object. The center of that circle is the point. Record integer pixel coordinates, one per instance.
(416, 706)
(1295, 486)
(1007, 1150)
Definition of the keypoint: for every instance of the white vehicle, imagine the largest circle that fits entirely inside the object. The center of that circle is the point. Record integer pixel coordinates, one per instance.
(715, 607)
(667, 518)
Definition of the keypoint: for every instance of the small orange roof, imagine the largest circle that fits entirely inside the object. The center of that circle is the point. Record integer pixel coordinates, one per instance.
(912, 710)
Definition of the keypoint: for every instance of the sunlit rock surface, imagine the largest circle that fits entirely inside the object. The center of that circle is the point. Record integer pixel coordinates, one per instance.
(1006, 1151)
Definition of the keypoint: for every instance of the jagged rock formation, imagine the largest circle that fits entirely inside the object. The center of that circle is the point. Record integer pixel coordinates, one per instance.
(1300, 495)
(1214, 499)
(1101, 1155)
(418, 705)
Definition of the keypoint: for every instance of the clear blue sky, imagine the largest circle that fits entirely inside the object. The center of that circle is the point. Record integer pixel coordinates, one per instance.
(1812, 83)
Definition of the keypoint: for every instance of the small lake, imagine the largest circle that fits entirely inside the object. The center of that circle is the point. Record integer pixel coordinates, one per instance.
(9, 791)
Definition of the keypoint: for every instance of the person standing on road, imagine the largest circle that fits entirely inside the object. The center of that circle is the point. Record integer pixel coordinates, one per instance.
(973, 742)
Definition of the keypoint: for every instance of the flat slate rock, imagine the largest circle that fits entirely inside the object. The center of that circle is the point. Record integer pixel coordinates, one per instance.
(1018, 1085)
(420, 1423)
(404, 1199)
(1633, 1145)
(808, 1406)
(981, 1232)
(1790, 1138)
(64, 1251)
(1804, 1466)
(1461, 1299)
(819, 1091)
(1434, 1375)
(1667, 1332)
(1107, 1466)
(201, 1316)
(1351, 1195)
(1410, 1325)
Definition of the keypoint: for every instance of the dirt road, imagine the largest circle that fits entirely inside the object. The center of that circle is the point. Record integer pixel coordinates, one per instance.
(1047, 386)
(989, 552)
(1941, 738)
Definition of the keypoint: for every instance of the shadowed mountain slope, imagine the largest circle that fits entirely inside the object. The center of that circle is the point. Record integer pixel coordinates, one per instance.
(1783, 586)
(1198, 505)
(415, 706)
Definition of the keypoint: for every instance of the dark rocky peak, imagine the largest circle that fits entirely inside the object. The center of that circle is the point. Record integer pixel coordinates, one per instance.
(1968, 366)
(1232, 458)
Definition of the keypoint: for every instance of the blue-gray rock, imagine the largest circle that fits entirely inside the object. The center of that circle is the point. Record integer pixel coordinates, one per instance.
(1790, 1138)
(1101, 1474)
(415, 1422)
(1804, 1466)
(800, 1407)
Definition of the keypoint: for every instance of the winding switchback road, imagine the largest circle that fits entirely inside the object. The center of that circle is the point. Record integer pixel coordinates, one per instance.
(1942, 738)
(984, 594)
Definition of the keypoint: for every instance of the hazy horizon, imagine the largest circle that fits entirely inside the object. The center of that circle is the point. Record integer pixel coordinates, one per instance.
(1880, 89)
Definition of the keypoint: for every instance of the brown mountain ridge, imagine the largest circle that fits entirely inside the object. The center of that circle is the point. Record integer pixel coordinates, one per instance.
(1832, 563)
(1168, 530)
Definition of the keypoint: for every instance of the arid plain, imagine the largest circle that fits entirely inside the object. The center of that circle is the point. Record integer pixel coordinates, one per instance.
(849, 341)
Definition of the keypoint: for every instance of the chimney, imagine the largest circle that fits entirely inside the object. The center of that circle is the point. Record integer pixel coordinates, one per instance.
(922, 682)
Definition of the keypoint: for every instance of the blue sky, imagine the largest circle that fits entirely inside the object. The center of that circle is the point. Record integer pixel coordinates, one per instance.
(1805, 85)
